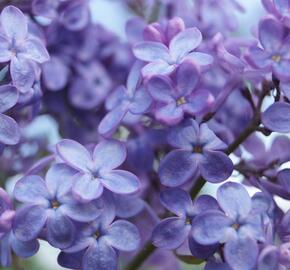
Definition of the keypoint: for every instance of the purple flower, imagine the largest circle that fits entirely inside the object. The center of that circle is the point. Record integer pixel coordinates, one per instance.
(163, 58)
(239, 227)
(132, 99)
(98, 169)
(172, 232)
(9, 130)
(21, 48)
(173, 102)
(274, 54)
(6, 213)
(100, 242)
(199, 153)
(49, 204)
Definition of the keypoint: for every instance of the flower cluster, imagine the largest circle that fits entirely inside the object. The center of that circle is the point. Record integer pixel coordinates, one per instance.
(145, 129)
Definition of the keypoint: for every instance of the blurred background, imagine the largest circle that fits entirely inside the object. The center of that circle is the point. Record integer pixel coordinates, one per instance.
(113, 15)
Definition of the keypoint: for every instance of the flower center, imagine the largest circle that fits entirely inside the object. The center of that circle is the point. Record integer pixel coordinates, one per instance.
(55, 204)
(276, 58)
(197, 149)
(97, 234)
(181, 101)
(236, 226)
(188, 221)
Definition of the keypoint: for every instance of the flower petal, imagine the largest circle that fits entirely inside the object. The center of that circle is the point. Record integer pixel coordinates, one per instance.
(277, 117)
(100, 256)
(8, 97)
(31, 189)
(177, 168)
(24, 249)
(123, 236)
(170, 233)
(170, 114)
(215, 166)
(185, 42)
(241, 253)
(201, 251)
(158, 67)
(29, 221)
(210, 227)
(234, 199)
(109, 155)
(14, 23)
(176, 201)
(121, 182)
(151, 51)
(201, 59)
(9, 130)
(160, 88)
(269, 258)
(141, 103)
(60, 230)
(74, 154)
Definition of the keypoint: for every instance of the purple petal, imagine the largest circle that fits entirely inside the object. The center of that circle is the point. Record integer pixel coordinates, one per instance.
(185, 42)
(177, 168)
(170, 233)
(59, 179)
(123, 236)
(121, 182)
(82, 212)
(284, 178)
(241, 253)
(9, 130)
(277, 117)
(151, 51)
(174, 26)
(259, 58)
(170, 114)
(31, 189)
(205, 203)
(22, 73)
(14, 23)
(24, 249)
(268, 258)
(281, 70)
(160, 88)
(86, 188)
(60, 230)
(187, 77)
(210, 227)
(134, 77)
(100, 256)
(55, 74)
(29, 221)
(109, 155)
(34, 49)
(201, 251)
(234, 199)
(112, 120)
(8, 97)
(201, 59)
(70, 260)
(74, 154)
(128, 206)
(158, 67)
(176, 201)
(141, 103)
(5, 52)
(215, 166)
(271, 34)
(115, 99)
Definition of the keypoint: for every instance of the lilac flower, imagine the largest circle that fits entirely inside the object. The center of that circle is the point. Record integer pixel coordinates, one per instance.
(98, 169)
(164, 59)
(132, 99)
(49, 204)
(173, 102)
(274, 54)
(239, 227)
(9, 130)
(100, 242)
(172, 232)
(6, 213)
(199, 153)
(21, 48)
(280, 9)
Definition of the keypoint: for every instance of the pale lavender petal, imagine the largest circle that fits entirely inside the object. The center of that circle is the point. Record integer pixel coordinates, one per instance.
(185, 42)
(277, 117)
(281, 70)
(123, 236)
(157, 68)
(234, 199)
(74, 154)
(177, 168)
(141, 103)
(121, 182)
(160, 88)
(170, 233)
(241, 253)
(116, 98)
(9, 130)
(215, 166)
(8, 97)
(201, 59)
(31, 189)
(14, 23)
(151, 51)
(5, 52)
(259, 58)
(170, 114)
(205, 203)
(24, 249)
(268, 258)
(109, 155)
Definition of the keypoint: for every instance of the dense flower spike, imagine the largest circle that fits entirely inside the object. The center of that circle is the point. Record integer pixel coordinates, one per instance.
(112, 146)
